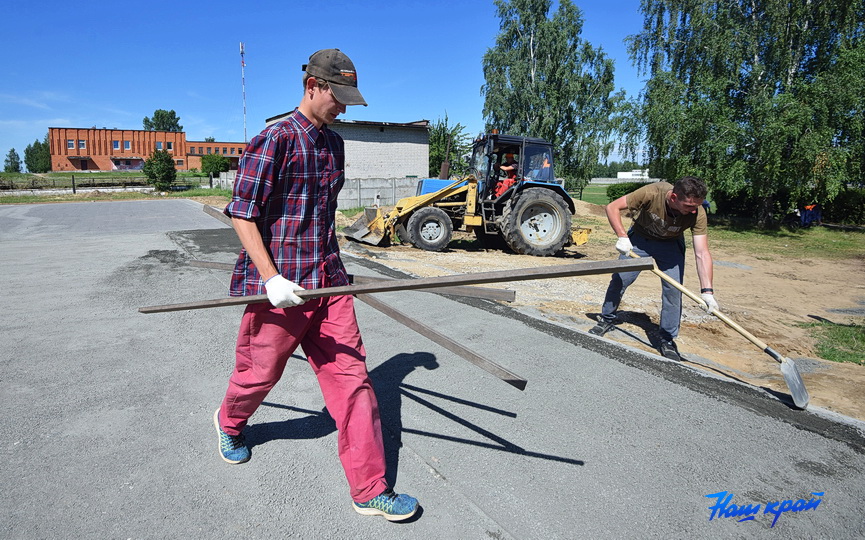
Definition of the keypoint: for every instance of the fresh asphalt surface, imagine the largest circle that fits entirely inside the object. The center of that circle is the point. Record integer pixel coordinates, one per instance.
(108, 433)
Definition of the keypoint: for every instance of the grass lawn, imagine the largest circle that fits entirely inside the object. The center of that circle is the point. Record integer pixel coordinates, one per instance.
(839, 342)
(594, 193)
(776, 244)
(89, 194)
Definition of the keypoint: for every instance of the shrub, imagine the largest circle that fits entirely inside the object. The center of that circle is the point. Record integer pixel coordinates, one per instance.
(614, 191)
(848, 207)
(214, 164)
(159, 169)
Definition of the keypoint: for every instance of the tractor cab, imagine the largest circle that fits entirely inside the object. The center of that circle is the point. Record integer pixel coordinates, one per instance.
(502, 163)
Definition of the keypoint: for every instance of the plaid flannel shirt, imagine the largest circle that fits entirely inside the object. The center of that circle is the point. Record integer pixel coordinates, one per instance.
(287, 182)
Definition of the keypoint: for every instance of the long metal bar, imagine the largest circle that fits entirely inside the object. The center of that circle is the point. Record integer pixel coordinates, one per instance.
(470, 291)
(484, 363)
(485, 293)
(212, 265)
(523, 274)
(211, 211)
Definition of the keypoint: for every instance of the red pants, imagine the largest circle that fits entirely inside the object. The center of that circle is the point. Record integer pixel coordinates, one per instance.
(327, 330)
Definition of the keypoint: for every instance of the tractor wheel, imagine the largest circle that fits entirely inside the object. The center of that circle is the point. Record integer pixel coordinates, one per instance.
(430, 229)
(536, 222)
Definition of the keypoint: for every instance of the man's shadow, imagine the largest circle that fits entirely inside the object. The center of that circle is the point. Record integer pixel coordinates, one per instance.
(386, 379)
(390, 388)
(651, 331)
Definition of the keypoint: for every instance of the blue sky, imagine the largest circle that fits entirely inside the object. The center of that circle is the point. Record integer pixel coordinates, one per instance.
(110, 64)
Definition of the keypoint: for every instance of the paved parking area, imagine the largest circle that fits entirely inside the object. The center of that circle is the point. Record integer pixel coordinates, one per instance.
(108, 430)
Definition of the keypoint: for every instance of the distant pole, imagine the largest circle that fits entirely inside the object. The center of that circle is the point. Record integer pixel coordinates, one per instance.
(243, 87)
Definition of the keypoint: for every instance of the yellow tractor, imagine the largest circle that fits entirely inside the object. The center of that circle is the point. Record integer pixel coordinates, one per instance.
(510, 196)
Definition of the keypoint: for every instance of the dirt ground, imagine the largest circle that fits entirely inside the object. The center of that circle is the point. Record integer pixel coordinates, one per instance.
(766, 297)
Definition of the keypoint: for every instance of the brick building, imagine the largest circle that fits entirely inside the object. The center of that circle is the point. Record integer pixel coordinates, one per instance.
(92, 149)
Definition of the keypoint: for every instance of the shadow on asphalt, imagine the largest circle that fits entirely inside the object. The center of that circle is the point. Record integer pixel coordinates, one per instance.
(640, 320)
(391, 390)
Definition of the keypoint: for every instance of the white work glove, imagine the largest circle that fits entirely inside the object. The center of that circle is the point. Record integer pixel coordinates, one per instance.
(623, 245)
(280, 292)
(711, 303)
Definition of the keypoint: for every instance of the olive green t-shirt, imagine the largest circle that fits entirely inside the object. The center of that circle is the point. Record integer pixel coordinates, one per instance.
(652, 219)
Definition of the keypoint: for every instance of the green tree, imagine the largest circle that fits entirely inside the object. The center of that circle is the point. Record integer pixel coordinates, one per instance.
(763, 99)
(163, 121)
(544, 80)
(609, 170)
(159, 169)
(37, 156)
(214, 164)
(448, 142)
(209, 139)
(12, 163)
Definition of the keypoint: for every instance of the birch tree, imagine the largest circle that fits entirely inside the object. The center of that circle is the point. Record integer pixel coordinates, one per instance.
(543, 80)
(762, 98)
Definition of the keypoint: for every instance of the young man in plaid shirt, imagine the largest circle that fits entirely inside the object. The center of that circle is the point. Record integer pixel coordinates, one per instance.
(283, 209)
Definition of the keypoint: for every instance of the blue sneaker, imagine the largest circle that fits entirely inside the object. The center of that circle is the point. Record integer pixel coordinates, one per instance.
(390, 505)
(232, 448)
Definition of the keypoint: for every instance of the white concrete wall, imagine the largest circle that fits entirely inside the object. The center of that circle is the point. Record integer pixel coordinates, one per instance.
(374, 151)
(636, 174)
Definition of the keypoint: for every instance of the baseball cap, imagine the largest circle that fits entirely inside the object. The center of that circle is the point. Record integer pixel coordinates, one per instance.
(333, 66)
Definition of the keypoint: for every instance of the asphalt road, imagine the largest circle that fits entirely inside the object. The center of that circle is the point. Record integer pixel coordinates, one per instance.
(108, 432)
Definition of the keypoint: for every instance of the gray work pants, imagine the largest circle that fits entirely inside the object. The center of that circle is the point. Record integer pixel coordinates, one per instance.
(669, 257)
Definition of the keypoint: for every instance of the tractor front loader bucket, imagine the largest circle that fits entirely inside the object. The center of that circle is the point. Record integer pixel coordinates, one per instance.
(369, 228)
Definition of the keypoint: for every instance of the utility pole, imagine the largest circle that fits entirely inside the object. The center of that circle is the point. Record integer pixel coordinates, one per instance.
(243, 87)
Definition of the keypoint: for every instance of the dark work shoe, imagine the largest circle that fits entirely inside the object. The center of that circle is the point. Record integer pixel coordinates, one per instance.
(390, 505)
(602, 327)
(232, 448)
(668, 349)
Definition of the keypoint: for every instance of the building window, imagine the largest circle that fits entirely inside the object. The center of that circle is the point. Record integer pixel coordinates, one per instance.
(208, 149)
(116, 145)
(179, 162)
(127, 145)
(82, 144)
(159, 145)
(70, 144)
(224, 150)
(232, 151)
(170, 145)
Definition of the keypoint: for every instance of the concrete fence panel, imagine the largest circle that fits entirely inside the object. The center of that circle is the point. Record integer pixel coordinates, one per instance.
(360, 192)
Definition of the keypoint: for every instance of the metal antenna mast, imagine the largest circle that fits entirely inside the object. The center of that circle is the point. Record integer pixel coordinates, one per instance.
(243, 87)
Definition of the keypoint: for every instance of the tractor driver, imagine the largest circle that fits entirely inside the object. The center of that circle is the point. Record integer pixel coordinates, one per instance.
(509, 167)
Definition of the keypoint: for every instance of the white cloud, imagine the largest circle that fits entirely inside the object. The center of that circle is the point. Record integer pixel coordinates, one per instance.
(37, 100)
